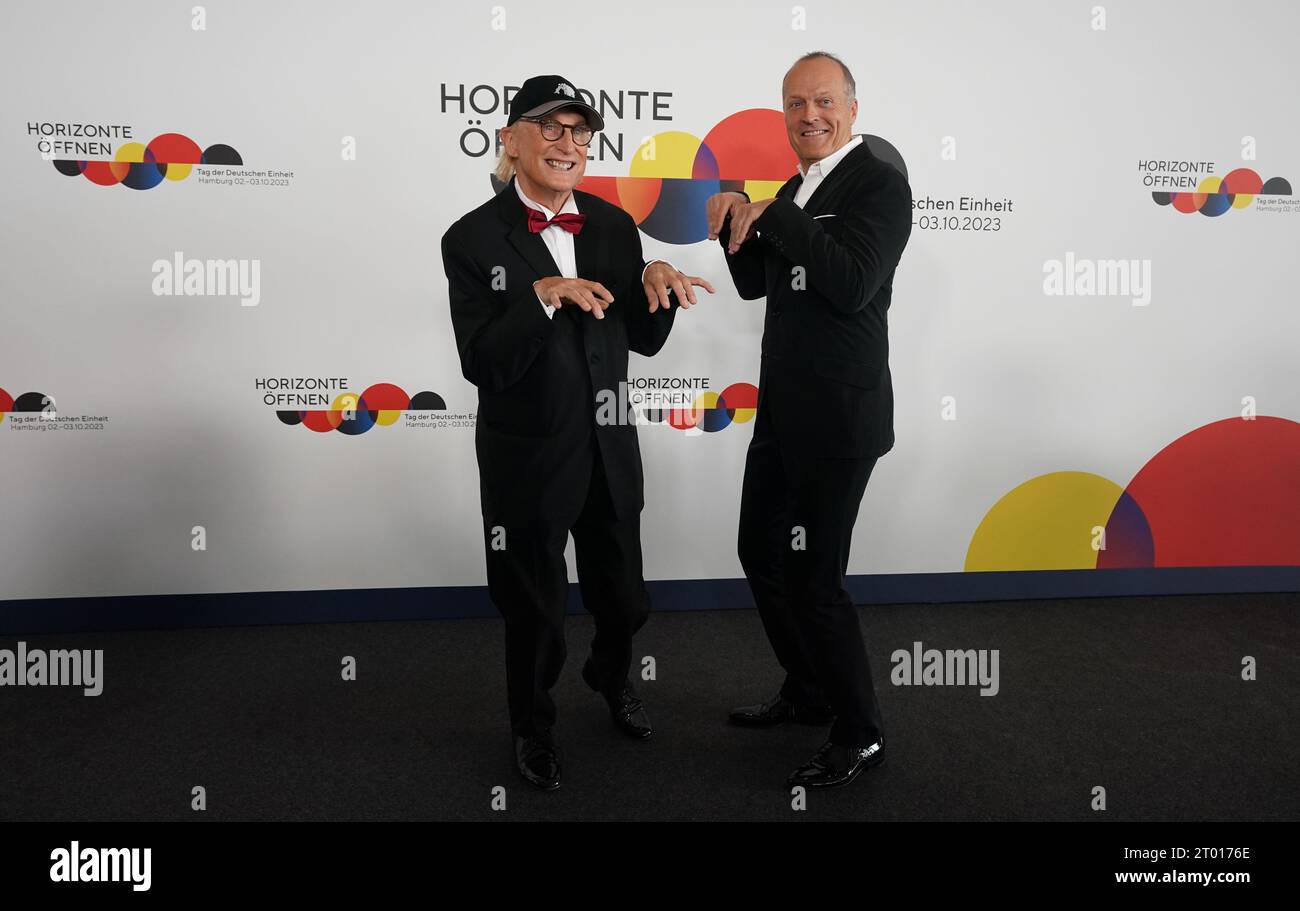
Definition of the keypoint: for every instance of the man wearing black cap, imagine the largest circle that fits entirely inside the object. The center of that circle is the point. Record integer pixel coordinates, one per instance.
(549, 292)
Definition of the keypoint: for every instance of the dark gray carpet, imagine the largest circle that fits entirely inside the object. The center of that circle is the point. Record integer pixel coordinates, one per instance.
(1140, 696)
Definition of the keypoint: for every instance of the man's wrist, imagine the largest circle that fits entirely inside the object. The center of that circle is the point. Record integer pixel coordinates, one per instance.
(547, 307)
(651, 263)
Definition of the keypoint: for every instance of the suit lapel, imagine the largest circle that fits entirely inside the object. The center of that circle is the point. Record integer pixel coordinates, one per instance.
(586, 248)
(585, 242)
(840, 173)
(589, 253)
(529, 245)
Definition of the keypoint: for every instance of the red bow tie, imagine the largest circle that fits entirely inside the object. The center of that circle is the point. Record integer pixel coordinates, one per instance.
(569, 221)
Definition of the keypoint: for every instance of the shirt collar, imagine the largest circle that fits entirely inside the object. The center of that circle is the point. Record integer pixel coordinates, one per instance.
(569, 204)
(824, 166)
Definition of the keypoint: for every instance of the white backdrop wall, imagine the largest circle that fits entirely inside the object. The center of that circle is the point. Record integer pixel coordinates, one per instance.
(165, 426)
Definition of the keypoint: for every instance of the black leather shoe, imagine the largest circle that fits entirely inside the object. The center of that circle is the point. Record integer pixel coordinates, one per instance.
(836, 764)
(625, 707)
(538, 760)
(780, 710)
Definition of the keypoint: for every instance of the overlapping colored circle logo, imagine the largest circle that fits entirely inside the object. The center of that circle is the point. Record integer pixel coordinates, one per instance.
(671, 174)
(379, 405)
(1216, 195)
(26, 403)
(1226, 494)
(711, 411)
(170, 156)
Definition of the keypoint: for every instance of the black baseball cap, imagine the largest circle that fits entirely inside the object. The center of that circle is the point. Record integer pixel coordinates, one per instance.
(544, 94)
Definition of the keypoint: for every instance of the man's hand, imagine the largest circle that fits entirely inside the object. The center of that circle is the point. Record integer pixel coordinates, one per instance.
(590, 296)
(660, 278)
(719, 206)
(742, 212)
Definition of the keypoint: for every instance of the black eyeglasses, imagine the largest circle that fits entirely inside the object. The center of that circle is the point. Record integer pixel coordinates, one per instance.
(553, 130)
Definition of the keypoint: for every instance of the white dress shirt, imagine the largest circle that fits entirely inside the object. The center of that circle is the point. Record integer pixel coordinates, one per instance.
(819, 169)
(560, 242)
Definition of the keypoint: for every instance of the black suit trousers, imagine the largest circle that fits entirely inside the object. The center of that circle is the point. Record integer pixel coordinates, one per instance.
(796, 521)
(528, 581)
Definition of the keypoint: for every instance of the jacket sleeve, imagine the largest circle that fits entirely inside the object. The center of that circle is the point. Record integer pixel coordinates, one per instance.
(498, 333)
(646, 332)
(849, 270)
(746, 264)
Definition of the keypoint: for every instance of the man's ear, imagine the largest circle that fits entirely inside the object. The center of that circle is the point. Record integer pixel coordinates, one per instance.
(507, 140)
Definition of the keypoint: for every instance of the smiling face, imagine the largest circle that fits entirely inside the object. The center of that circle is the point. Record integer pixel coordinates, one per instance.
(818, 112)
(547, 170)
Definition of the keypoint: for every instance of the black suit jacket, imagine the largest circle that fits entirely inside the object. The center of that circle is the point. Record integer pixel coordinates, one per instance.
(824, 379)
(540, 379)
